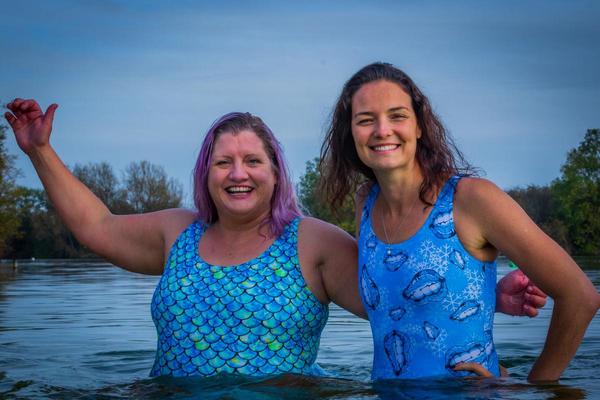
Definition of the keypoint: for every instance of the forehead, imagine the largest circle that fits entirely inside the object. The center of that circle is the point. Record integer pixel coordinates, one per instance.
(380, 94)
(245, 141)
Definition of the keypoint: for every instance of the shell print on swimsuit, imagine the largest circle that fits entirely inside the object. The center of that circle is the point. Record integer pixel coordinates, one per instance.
(256, 318)
(430, 303)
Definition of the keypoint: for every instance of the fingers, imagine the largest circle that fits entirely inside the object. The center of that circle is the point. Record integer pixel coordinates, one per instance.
(474, 367)
(49, 116)
(530, 311)
(535, 301)
(12, 120)
(21, 107)
(535, 291)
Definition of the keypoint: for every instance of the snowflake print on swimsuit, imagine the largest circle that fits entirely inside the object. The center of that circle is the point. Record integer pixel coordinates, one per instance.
(474, 287)
(438, 346)
(451, 301)
(437, 303)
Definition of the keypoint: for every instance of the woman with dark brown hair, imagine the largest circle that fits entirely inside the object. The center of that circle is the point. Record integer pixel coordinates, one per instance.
(429, 234)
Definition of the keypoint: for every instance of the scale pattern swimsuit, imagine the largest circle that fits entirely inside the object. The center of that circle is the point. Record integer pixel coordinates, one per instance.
(256, 318)
(430, 303)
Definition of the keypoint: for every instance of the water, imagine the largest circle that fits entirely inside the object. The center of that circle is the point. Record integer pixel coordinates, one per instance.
(83, 330)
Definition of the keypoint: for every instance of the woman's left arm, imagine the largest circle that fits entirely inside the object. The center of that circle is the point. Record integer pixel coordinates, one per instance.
(494, 219)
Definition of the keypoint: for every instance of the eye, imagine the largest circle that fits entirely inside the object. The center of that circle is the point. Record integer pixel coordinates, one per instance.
(254, 162)
(397, 117)
(221, 163)
(364, 121)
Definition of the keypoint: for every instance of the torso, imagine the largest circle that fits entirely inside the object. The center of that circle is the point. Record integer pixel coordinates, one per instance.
(430, 302)
(255, 318)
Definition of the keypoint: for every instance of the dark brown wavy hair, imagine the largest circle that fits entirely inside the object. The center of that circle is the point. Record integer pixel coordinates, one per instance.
(341, 169)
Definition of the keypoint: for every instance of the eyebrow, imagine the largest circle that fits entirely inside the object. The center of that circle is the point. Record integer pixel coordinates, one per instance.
(370, 113)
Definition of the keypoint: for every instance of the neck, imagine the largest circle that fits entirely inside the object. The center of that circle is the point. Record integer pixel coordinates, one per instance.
(233, 229)
(399, 188)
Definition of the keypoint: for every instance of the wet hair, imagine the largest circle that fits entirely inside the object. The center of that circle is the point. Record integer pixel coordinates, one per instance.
(341, 169)
(284, 207)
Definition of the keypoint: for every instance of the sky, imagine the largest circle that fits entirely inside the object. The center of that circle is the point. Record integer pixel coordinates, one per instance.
(516, 83)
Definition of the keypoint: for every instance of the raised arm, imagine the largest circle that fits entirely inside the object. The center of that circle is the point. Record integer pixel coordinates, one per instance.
(135, 242)
(501, 223)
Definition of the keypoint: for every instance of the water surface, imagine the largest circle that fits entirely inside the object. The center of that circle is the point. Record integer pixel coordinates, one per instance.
(73, 329)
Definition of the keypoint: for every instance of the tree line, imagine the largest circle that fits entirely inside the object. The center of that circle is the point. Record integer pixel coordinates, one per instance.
(568, 209)
(30, 227)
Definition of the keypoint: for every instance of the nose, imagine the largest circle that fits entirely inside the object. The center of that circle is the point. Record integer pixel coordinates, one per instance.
(382, 128)
(238, 172)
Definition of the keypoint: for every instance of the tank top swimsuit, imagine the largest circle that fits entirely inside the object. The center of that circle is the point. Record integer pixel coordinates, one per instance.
(256, 318)
(430, 303)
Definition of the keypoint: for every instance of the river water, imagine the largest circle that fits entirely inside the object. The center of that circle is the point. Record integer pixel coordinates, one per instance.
(82, 330)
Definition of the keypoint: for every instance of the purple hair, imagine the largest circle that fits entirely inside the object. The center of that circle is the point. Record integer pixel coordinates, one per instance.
(284, 207)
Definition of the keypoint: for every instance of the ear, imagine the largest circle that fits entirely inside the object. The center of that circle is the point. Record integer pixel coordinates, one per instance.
(419, 133)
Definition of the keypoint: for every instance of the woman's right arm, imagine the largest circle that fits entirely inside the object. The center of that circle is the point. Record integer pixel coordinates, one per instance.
(134, 242)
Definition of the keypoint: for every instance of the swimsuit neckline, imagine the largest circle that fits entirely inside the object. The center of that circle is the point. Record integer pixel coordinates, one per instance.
(254, 260)
(423, 226)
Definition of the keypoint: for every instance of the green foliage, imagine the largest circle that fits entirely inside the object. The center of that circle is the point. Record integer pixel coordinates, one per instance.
(9, 221)
(568, 209)
(313, 205)
(540, 203)
(578, 194)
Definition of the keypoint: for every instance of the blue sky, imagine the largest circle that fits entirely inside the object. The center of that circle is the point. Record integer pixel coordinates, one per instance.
(516, 82)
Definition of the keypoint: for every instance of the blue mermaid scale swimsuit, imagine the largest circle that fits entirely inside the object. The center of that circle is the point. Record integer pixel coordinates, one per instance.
(430, 303)
(256, 318)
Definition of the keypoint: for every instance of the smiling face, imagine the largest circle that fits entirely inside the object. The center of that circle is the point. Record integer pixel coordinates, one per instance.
(241, 179)
(384, 126)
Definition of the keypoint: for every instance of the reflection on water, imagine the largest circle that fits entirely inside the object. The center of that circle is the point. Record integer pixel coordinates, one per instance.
(83, 330)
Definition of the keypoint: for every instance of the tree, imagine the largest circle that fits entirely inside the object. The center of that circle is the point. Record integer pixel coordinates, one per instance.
(101, 180)
(313, 205)
(578, 194)
(541, 204)
(9, 221)
(149, 189)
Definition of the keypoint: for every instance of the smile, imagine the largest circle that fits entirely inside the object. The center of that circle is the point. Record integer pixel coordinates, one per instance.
(385, 147)
(238, 189)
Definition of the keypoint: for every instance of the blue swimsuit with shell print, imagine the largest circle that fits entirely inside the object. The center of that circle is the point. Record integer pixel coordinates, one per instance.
(430, 303)
(256, 318)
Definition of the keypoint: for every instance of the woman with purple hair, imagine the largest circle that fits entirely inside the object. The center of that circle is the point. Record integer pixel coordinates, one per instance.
(245, 278)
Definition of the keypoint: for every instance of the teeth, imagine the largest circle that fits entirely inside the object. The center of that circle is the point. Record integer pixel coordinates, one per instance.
(385, 147)
(238, 189)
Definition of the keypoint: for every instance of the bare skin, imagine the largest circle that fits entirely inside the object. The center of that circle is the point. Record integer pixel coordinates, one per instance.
(487, 220)
(141, 243)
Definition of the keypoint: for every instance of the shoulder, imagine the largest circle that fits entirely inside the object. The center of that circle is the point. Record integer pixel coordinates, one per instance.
(471, 189)
(310, 226)
(482, 202)
(320, 237)
(174, 221)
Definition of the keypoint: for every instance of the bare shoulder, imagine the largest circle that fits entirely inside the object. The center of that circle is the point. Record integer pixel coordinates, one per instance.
(472, 187)
(320, 237)
(174, 221)
(477, 193)
(312, 228)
